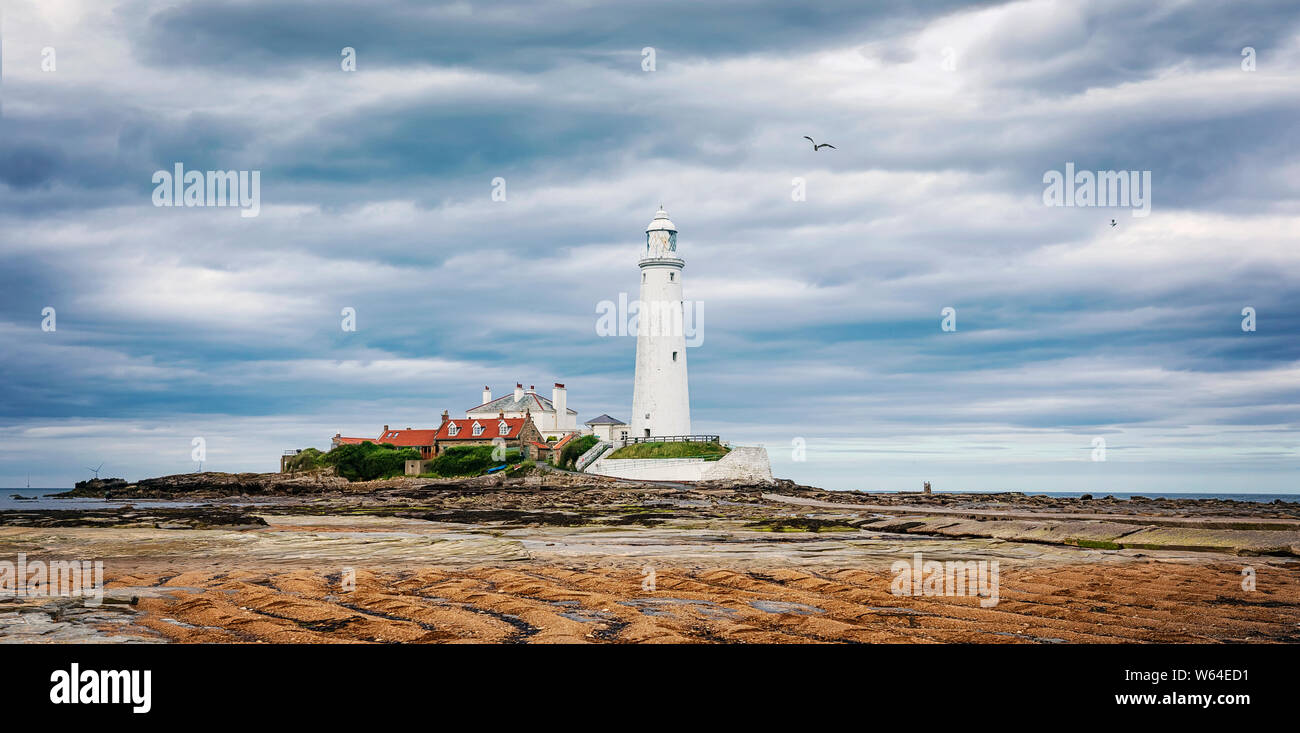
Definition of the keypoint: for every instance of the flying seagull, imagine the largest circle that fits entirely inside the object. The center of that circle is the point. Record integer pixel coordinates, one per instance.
(817, 147)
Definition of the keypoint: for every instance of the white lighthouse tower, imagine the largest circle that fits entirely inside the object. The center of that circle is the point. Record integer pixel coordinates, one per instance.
(661, 403)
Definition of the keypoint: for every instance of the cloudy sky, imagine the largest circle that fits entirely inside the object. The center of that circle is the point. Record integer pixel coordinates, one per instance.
(822, 334)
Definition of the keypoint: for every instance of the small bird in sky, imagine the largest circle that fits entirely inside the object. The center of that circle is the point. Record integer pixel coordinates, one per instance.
(817, 147)
(1112, 223)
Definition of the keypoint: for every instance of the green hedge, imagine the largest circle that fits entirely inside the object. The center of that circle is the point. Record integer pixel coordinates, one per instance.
(574, 449)
(469, 460)
(367, 461)
(309, 459)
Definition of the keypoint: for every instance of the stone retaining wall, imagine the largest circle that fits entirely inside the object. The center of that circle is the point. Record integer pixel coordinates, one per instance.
(743, 463)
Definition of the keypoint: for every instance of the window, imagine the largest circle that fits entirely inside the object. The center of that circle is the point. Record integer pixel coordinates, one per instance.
(674, 356)
(478, 429)
(624, 437)
(672, 277)
(453, 429)
(503, 428)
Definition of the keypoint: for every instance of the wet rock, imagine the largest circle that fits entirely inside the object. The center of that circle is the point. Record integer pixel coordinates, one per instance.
(211, 484)
(1234, 541)
(157, 518)
(45, 620)
(801, 524)
(1102, 535)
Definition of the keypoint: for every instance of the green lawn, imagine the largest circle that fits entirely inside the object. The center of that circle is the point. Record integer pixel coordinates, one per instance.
(711, 451)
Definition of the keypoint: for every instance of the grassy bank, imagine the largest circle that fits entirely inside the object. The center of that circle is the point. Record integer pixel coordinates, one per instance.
(708, 451)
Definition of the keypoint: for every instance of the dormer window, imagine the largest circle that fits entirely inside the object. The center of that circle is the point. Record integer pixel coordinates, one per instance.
(453, 429)
(478, 429)
(503, 428)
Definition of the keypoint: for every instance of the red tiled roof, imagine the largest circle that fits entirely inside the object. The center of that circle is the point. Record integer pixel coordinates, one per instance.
(556, 445)
(490, 430)
(560, 443)
(408, 438)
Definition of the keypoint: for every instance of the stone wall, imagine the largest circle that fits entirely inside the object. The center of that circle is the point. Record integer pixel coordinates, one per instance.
(743, 463)
(415, 467)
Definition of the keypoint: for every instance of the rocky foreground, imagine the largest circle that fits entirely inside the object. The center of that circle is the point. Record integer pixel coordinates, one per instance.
(551, 556)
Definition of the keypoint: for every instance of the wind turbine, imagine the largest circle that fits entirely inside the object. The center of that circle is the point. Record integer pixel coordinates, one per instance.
(96, 470)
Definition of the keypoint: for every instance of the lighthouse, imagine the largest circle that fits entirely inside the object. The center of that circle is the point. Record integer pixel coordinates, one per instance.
(661, 404)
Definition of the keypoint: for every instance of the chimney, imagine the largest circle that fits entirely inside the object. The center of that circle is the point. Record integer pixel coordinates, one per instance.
(501, 414)
(519, 391)
(385, 429)
(445, 417)
(560, 401)
(487, 394)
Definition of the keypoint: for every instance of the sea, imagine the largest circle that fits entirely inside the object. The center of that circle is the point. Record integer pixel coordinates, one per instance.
(42, 498)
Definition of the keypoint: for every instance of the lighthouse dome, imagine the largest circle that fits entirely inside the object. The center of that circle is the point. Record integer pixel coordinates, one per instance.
(660, 237)
(661, 222)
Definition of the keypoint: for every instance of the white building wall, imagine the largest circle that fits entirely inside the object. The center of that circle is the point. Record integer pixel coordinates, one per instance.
(609, 433)
(562, 422)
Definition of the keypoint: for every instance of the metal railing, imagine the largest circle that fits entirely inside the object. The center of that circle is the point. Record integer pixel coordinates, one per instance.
(675, 439)
(594, 452)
